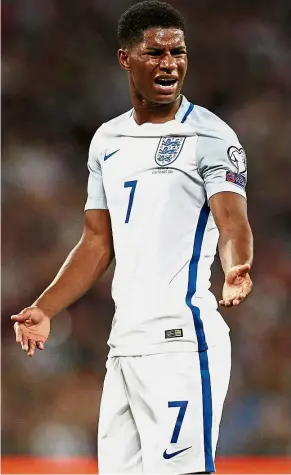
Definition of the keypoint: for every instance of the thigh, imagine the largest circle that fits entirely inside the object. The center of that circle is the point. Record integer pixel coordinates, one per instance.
(119, 448)
(219, 360)
(176, 400)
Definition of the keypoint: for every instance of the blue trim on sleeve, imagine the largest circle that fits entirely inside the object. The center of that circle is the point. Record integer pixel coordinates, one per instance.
(202, 345)
(189, 110)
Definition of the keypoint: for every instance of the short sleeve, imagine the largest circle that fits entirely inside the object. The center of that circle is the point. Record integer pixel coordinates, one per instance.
(222, 163)
(96, 198)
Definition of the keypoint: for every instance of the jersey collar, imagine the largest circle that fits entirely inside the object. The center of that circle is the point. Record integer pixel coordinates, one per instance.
(184, 110)
(178, 126)
(182, 113)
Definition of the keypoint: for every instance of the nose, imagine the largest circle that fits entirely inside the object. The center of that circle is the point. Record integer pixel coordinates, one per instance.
(168, 62)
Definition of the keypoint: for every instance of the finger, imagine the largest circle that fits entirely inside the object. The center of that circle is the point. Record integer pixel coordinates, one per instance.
(243, 269)
(24, 343)
(22, 316)
(40, 345)
(225, 303)
(241, 298)
(31, 347)
(18, 332)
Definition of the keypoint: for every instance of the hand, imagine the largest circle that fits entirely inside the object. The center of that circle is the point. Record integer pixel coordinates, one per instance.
(31, 328)
(237, 286)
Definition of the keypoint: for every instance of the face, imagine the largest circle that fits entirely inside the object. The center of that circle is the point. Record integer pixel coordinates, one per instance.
(157, 65)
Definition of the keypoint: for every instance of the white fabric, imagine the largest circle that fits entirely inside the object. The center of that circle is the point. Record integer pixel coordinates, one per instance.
(136, 423)
(155, 207)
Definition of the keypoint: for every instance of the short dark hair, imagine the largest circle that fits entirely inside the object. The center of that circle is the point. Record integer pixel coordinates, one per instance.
(144, 15)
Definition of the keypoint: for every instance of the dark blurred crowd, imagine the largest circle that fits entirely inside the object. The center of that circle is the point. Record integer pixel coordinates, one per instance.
(60, 81)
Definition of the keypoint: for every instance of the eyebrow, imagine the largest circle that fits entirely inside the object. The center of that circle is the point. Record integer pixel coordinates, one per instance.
(158, 48)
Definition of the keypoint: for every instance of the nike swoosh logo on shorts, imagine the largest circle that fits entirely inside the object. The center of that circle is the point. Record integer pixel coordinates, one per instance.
(110, 154)
(173, 454)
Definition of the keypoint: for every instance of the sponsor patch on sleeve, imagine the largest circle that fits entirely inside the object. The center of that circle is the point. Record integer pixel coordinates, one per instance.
(236, 179)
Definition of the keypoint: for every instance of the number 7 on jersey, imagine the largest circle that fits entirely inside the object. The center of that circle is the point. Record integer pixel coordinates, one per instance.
(132, 185)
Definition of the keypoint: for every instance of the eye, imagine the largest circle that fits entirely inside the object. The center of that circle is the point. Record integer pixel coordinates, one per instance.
(153, 53)
(178, 52)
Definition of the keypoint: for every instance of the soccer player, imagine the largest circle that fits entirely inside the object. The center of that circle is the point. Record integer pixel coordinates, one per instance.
(166, 183)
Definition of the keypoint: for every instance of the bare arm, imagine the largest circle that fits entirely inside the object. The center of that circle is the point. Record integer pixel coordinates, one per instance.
(235, 245)
(235, 236)
(87, 262)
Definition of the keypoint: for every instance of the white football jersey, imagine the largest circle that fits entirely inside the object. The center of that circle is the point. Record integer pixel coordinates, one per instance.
(156, 180)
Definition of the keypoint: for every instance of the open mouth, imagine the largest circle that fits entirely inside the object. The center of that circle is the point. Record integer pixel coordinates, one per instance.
(165, 82)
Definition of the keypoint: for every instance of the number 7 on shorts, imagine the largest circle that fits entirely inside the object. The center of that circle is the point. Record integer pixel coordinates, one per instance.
(183, 406)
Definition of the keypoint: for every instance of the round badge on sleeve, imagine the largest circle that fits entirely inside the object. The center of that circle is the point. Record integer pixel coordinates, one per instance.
(238, 158)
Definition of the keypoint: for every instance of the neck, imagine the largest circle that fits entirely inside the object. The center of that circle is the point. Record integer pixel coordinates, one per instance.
(145, 111)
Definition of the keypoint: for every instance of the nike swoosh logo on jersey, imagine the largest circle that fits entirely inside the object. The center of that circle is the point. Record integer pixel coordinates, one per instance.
(110, 154)
(173, 454)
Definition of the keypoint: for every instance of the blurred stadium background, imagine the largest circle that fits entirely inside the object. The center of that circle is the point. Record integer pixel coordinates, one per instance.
(60, 81)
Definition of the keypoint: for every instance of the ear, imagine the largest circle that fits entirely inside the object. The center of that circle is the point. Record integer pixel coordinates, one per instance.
(123, 59)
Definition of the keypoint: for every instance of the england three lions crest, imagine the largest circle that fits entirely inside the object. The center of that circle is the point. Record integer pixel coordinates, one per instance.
(168, 150)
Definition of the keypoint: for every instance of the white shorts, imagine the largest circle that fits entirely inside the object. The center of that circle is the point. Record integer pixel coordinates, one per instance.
(161, 413)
